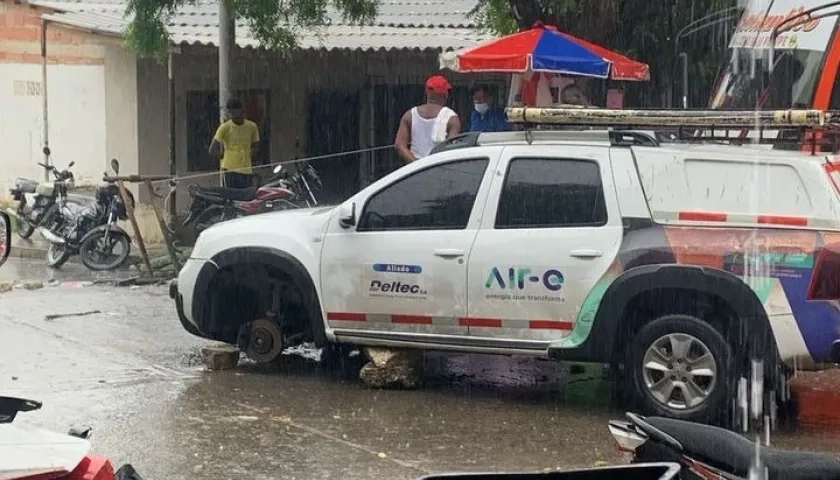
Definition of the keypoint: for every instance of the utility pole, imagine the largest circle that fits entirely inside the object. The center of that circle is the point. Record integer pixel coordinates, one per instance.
(227, 47)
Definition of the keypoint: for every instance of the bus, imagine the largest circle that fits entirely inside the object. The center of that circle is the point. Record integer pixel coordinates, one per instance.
(805, 58)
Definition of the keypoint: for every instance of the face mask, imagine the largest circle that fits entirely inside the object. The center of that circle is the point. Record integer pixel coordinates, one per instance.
(482, 108)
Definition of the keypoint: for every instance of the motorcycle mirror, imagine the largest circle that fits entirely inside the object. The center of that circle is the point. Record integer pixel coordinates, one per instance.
(278, 169)
(115, 165)
(46, 150)
(5, 237)
(81, 431)
(70, 165)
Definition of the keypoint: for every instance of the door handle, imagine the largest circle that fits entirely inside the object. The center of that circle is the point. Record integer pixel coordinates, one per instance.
(586, 253)
(448, 252)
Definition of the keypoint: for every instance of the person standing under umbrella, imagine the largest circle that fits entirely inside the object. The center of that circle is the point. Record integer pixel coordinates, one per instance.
(426, 125)
(486, 117)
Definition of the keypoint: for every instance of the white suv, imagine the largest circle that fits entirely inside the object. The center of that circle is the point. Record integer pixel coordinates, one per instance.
(679, 262)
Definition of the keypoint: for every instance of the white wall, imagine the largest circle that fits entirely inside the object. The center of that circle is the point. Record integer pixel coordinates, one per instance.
(77, 123)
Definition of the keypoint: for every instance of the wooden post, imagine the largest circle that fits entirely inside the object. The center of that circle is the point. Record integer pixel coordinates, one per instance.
(166, 238)
(129, 207)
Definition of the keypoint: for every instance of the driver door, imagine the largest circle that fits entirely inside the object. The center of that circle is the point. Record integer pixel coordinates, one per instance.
(402, 269)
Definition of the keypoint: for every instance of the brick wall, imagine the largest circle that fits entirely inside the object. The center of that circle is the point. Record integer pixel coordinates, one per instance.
(20, 39)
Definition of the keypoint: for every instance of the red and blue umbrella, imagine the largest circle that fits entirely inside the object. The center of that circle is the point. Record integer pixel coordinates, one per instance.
(546, 49)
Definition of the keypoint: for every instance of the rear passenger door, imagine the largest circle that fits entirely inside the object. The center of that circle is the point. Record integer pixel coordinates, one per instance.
(550, 231)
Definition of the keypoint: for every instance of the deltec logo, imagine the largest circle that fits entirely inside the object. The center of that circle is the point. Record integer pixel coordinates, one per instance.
(516, 278)
(378, 286)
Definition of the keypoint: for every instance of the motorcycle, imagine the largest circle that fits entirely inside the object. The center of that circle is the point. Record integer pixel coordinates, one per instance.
(39, 202)
(212, 205)
(705, 452)
(92, 232)
(27, 454)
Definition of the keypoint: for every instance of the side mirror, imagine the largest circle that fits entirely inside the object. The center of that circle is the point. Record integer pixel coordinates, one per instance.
(70, 165)
(46, 150)
(5, 237)
(347, 215)
(115, 165)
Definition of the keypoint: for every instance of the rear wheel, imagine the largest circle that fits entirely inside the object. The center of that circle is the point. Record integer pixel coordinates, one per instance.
(57, 255)
(681, 367)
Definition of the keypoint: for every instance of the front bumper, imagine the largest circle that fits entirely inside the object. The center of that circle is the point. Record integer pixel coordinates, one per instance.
(174, 294)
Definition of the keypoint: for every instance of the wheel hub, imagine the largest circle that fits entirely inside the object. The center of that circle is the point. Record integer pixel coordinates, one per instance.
(679, 371)
(265, 341)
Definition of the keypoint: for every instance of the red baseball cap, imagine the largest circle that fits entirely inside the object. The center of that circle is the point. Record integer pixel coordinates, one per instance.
(438, 84)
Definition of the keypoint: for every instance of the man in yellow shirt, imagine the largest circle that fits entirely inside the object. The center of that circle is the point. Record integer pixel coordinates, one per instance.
(236, 142)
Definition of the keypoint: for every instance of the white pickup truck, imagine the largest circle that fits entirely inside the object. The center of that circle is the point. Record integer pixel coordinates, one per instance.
(678, 262)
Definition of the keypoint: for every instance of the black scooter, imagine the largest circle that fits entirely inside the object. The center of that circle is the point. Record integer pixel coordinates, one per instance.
(712, 453)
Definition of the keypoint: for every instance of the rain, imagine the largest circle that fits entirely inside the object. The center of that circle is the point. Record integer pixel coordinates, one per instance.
(401, 239)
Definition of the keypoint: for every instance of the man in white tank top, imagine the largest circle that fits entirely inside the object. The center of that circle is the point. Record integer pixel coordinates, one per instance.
(424, 126)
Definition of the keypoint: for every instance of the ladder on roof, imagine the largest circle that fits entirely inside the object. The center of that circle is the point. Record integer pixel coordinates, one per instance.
(795, 127)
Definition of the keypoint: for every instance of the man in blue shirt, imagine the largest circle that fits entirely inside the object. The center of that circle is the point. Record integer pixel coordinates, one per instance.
(485, 116)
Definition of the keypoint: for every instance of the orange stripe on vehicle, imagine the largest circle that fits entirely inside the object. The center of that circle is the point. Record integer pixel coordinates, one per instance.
(822, 97)
(412, 319)
(781, 220)
(347, 316)
(480, 322)
(702, 217)
(550, 325)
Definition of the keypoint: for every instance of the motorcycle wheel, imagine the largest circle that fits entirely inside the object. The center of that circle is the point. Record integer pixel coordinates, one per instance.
(99, 257)
(57, 255)
(214, 215)
(25, 229)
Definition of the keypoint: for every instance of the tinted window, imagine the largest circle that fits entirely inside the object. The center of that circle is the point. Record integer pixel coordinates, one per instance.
(544, 193)
(438, 198)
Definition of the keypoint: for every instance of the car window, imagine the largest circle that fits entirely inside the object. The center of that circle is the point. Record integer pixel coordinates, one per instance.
(551, 193)
(437, 198)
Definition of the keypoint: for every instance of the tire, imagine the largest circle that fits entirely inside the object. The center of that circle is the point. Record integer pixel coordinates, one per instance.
(87, 251)
(57, 255)
(709, 396)
(213, 215)
(25, 229)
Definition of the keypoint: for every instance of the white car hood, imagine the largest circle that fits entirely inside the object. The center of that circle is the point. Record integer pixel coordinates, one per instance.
(303, 225)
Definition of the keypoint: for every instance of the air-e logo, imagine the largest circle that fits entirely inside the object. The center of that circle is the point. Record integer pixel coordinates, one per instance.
(516, 277)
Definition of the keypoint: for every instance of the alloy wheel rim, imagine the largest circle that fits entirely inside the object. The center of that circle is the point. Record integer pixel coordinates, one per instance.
(679, 371)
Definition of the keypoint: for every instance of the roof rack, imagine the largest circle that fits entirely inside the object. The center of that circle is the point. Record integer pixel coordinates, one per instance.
(746, 119)
(616, 138)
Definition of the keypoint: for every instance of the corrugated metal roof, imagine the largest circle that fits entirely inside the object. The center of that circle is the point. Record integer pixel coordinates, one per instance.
(401, 24)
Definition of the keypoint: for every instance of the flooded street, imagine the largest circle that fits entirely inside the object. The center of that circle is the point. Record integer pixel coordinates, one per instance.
(125, 366)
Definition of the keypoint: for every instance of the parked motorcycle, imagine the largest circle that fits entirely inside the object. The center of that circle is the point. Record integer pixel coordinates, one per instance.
(92, 233)
(39, 202)
(706, 453)
(212, 205)
(27, 454)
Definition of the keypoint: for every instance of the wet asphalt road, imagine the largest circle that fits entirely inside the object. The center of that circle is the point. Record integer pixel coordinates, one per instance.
(131, 372)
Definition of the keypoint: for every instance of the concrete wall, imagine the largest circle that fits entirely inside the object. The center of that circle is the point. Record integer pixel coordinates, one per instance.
(75, 92)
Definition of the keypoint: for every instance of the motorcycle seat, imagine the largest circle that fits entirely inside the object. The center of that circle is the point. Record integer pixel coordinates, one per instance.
(734, 454)
(234, 194)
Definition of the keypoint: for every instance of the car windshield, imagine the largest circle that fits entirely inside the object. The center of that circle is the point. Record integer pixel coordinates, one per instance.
(791, 85)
